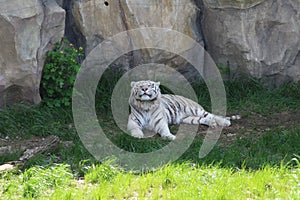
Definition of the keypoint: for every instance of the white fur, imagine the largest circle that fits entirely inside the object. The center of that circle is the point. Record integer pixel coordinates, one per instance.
(154, 111)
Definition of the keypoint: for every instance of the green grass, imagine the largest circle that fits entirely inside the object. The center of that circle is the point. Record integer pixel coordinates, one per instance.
(271, 149)
(173, 181)
(24, 121)
(254, 166)
(252, 97)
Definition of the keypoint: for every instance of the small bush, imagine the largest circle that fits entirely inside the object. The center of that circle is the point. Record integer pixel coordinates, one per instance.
(59, 73)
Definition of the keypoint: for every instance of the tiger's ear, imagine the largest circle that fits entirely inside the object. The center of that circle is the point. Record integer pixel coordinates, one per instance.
(157, 84)
(132, 83)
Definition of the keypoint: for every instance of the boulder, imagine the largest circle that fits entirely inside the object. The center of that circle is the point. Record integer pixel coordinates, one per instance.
(27, 32)
(260, 38)
(99, 20)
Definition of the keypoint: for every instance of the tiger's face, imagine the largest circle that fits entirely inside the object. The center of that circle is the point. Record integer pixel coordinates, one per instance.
(145, 90)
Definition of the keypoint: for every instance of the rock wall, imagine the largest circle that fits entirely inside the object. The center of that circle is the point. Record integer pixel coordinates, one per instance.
(260, 38)
(98, 20)
(257, 38)
(27, 31)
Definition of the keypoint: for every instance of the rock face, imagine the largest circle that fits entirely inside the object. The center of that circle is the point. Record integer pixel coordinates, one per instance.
(99, 20)
(257, 38)
(260, 38)
(27, 32)
(239, 4)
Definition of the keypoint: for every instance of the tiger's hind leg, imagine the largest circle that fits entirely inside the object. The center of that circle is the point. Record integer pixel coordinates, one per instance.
(199, 120)
(209, 120)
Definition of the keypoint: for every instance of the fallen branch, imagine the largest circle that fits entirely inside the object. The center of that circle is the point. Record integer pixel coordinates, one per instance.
(46, 145)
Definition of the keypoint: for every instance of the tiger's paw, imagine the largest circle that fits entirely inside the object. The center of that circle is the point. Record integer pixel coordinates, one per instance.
(137, 134)
(169, 137)
(220, 122)
(213, 123)
(224, 122)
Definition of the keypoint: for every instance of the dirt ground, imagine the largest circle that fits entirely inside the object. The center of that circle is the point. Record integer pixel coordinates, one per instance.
(255, 125)
(252, 125)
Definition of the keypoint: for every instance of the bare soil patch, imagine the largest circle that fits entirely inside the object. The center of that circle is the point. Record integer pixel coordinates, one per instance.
(255, 125)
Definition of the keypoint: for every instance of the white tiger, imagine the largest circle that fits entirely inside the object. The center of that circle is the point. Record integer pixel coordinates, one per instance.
(154, 111)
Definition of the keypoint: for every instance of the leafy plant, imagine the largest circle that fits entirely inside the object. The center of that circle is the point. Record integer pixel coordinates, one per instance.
(59, 73)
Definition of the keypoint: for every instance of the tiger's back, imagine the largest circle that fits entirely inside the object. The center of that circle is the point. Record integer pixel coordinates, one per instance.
(177, 107)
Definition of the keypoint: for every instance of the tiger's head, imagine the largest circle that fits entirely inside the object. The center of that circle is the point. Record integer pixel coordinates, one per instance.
(145, 90)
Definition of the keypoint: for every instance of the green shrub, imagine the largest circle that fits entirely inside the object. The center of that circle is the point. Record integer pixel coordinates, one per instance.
(59, 73)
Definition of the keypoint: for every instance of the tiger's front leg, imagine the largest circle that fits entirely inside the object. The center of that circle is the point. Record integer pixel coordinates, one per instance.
(134, 127)
(161, 127)
(165, 133)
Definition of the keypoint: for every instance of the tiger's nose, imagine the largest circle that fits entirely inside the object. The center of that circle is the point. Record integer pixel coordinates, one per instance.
(144, 89)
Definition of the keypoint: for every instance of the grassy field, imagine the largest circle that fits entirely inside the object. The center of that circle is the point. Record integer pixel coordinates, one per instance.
(174, 181)
(256, 158)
